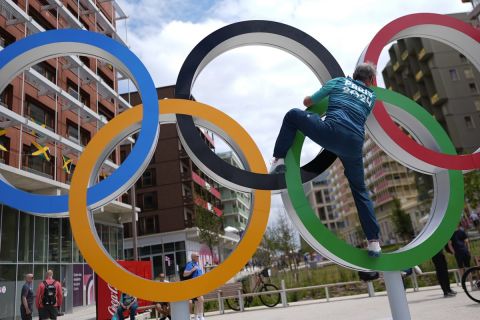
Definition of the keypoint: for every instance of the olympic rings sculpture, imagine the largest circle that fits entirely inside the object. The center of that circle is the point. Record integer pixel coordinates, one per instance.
(433, 153)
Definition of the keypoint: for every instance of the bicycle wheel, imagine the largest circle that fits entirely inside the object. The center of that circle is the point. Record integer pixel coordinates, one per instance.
(471, 283)
(271, 299)
(234, 304)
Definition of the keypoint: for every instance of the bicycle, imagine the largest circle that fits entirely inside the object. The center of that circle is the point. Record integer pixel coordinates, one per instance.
(472, 277)
(269, 300)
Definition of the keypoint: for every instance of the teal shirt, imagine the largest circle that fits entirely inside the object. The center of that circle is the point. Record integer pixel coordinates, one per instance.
(349, 104)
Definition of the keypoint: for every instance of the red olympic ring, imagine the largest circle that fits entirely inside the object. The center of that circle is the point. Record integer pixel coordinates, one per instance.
(372, 54)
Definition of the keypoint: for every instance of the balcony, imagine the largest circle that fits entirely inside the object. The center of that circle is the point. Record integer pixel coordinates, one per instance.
(419, 75)
(417, 96)
(206, 185)
(404, 55)
(437, 100)
(396, 66)
(423, 54)
(206, 205)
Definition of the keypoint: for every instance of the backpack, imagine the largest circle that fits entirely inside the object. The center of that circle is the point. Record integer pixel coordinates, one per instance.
(182, 270)
(49, 294)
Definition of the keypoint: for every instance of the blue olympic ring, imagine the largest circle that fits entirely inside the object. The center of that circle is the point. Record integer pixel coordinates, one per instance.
(111, 187)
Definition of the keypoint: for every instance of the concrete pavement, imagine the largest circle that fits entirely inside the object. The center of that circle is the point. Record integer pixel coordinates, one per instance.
(427, 304)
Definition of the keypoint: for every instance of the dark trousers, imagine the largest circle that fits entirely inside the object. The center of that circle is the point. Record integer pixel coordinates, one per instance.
(441, 270)
(346, 144)
(48, 312)
(23, 313)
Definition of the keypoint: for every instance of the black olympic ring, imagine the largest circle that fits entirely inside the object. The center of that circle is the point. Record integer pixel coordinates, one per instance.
(253, 32)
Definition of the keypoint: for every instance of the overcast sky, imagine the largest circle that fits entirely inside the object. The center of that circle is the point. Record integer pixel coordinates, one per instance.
(257, 85)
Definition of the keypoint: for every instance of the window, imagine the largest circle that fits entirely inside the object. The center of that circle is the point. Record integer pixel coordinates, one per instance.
(72, 133)
(321, 213)
(40, 113)
(453, 74)
(148, 225)
(473, 87)
(318, 197)
(72, 89)
(147, 179)
(104, 111)
(6, 38)
(468, 73)
(46, 70)
(148, 201)
(37, 163)
(37, 16)
(469, 122)
(6, 97)
(85, 60)
(105, 78)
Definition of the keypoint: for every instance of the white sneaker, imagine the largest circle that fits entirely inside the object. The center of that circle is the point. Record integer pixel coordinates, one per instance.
(374, 249)
(417, 270)
(277, 166)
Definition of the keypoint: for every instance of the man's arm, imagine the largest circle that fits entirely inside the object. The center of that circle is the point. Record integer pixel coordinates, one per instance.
(189, 269)
(320, 94)
(24, 300)
(59, 293)
(450, 246)
(39, 298)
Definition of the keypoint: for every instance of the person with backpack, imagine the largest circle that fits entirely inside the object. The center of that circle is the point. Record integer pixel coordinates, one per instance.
(192, 270)
(49, 297)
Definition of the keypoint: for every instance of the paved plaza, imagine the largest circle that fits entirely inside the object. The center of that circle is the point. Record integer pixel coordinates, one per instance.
(427, 304)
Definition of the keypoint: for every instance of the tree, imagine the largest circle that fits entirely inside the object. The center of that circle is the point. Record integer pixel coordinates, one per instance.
(210, 227)
(402, 221)
(265, 253)
(472, 188)
(286, 238)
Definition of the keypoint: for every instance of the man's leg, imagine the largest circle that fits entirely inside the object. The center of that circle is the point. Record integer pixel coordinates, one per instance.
(310, 124)
(120, 313)
(355, 175)
(200, 304)
(133, 311)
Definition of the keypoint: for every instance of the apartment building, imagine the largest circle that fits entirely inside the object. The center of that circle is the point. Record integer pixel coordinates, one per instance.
(47, 115)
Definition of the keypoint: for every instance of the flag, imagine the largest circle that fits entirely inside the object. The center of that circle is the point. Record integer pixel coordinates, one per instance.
(2, 133)
(41, 151)
(67, 164)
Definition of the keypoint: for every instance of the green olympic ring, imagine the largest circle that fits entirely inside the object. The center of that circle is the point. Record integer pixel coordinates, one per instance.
(405, 257)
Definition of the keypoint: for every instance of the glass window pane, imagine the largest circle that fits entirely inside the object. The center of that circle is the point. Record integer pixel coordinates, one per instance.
(25, 245)
(113, 242)
(157, 249)
(8, 245)
(24, 269)
(54, 240)
(120, 243)
(66, 241)
(180, 245)
(157, 265)
(169, 247)
(77, 255)
(41, 233)
(170, 264)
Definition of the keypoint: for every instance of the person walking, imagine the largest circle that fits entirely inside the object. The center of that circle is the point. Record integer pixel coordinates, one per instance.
(343, 133)
(459, 246)
(49, 297)
(193, 270)
(441, 271)
(26, 298)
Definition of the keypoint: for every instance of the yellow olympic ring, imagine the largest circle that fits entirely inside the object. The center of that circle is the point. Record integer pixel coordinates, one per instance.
(100, 260)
